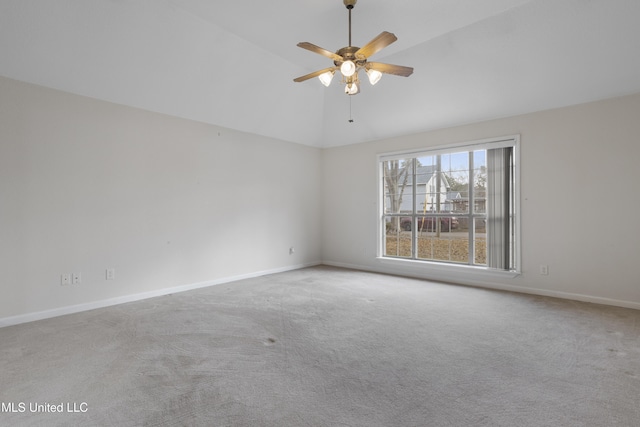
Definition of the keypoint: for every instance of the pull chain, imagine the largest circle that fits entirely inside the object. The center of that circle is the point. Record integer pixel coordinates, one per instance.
(350, 118)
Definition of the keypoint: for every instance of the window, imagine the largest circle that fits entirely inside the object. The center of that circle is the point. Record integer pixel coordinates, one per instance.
(452, 205)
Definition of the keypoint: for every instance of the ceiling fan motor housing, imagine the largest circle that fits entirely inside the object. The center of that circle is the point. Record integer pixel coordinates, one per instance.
(349, 54)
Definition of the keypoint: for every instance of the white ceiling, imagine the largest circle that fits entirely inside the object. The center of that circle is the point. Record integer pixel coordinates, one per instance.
(232, 63)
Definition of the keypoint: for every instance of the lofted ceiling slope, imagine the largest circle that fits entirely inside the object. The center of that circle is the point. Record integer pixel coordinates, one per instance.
(232, 63)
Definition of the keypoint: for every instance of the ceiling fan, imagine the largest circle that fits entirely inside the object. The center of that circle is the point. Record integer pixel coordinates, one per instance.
(351, 59)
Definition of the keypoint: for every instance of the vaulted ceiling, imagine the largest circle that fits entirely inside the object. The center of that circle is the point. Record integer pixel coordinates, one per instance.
(232, 63)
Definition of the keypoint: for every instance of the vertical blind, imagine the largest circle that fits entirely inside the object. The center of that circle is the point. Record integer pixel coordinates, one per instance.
(499, 208)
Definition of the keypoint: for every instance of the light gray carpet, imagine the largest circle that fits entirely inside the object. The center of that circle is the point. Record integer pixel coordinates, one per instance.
(328, 347)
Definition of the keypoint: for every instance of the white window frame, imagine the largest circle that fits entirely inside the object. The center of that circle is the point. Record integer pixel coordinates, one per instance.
(445, 267)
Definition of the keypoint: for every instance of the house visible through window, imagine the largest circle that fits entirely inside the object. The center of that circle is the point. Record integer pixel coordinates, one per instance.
(455, 205)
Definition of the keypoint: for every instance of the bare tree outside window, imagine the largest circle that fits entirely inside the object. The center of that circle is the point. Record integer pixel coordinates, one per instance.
(396, 178)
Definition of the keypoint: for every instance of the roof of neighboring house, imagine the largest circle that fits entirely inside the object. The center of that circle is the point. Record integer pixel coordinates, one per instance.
(425, 173)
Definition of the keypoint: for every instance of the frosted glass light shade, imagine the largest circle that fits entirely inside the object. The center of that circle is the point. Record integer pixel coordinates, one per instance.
(351, 88)
(374, 76)
(348, 68)
(326, 78)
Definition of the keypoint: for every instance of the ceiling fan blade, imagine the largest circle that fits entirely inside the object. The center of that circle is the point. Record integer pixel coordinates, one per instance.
(317, 49)
(314, 74)
(381, 41)
(396, 70)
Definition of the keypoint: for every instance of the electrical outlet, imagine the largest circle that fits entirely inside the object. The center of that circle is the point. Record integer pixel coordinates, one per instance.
(110, 274)
(65, 279)
(544, 270)
(292, 250)
(76, 278)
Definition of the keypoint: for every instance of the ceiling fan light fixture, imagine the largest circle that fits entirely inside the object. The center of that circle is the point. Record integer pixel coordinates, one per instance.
(326, 78)
(348, 68)
(374, 76)
(352, 88)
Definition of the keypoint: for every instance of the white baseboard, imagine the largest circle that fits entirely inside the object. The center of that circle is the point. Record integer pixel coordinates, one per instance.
(61, 311)
(496, 286)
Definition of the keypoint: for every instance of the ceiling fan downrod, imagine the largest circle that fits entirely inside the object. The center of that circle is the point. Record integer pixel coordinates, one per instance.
(349, 4)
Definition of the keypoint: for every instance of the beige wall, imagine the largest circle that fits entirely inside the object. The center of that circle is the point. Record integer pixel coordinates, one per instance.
(170, 204)
(87, 185)
(579, 173)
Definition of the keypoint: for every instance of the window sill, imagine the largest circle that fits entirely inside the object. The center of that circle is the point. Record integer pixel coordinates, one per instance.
(444, 270)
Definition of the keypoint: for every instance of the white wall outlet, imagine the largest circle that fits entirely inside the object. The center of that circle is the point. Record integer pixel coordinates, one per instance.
(76, 278)
(65, 279)
(110, 274)
(544, 270)
(292, 250)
